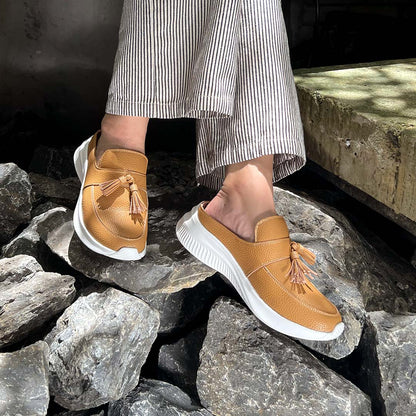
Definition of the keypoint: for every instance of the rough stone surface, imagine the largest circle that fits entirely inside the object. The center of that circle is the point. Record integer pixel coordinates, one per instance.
(156, 398)
(166, 268)
(344, 259)
(62, 192)
(385, 281)
(390, 362)
(15, 201)
(360, 125)
(29, 241)
(29, 297)
(54, 162)
(179, 309)
(179, 361)
(248, 370)
(24, 381)
(98, 347)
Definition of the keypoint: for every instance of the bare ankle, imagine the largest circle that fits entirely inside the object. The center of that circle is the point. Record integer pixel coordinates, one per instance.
(122, 132)
(240, 211)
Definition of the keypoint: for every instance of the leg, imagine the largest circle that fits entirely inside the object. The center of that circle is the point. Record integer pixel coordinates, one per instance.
(263, 141)
(238, 232)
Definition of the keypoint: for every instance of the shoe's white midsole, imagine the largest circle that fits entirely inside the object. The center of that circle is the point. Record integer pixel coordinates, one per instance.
(124, 253)
(208, 249)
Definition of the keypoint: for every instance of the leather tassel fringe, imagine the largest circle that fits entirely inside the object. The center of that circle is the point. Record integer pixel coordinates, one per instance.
(108, 187)
(299, 270)
(137, 205)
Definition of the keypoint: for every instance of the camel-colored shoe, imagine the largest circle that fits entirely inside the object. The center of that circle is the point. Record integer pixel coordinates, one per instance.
(111, 215)
(267, 273)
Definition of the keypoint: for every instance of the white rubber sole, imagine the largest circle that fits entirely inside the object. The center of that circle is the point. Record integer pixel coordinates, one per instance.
(124, 253)
(208, 249)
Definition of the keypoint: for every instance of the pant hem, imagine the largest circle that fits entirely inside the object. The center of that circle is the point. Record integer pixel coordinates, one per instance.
(201, 108)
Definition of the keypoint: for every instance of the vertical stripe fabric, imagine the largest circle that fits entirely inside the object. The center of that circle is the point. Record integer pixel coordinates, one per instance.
(225, 63)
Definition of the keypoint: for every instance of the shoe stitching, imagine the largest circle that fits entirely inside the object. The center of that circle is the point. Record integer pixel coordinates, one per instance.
(98, 184)
(296, 298)
(267, 264)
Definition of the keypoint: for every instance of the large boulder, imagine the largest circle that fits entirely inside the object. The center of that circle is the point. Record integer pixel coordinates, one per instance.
(15, 199)
(98, 347)
(28, 241)
(389, 362)
(24, 381)
(247, 369)
(29, 297)
(352, 274)
(386, 281)
(166, 268)
(61, 192)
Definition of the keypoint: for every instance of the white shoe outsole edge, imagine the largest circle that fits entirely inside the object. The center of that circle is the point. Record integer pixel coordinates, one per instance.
(124, 253)
(207, 248)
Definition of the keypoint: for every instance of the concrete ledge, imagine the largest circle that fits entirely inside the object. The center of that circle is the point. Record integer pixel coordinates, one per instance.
(360, 125)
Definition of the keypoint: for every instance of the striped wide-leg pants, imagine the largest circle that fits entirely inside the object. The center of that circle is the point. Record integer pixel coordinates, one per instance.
(225, 63)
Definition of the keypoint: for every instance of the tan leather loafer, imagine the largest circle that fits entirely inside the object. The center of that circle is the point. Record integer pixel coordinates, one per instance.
(268, 273)
(111, 214)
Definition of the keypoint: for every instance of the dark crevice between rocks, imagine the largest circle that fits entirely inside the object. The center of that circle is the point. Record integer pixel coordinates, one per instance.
(151, 368)
(51, 262)
(18, 230)
(55, 409)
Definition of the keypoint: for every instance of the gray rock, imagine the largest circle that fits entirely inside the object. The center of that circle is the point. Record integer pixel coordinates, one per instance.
(15, 200)
(389, 362)
(29, 297)
(18, 267)
(178, 362)
(156, 398)
(247, 369)
(29, 241)
(166, 268)
(385, 281)
(54, 162)
(98, 347)
(62, 192)
(24, 381)
(345, 262)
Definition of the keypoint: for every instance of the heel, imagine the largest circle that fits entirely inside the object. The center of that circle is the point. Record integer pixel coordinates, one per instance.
(81, 159)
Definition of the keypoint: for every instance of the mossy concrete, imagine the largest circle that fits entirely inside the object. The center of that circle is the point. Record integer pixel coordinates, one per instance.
(360, 125)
